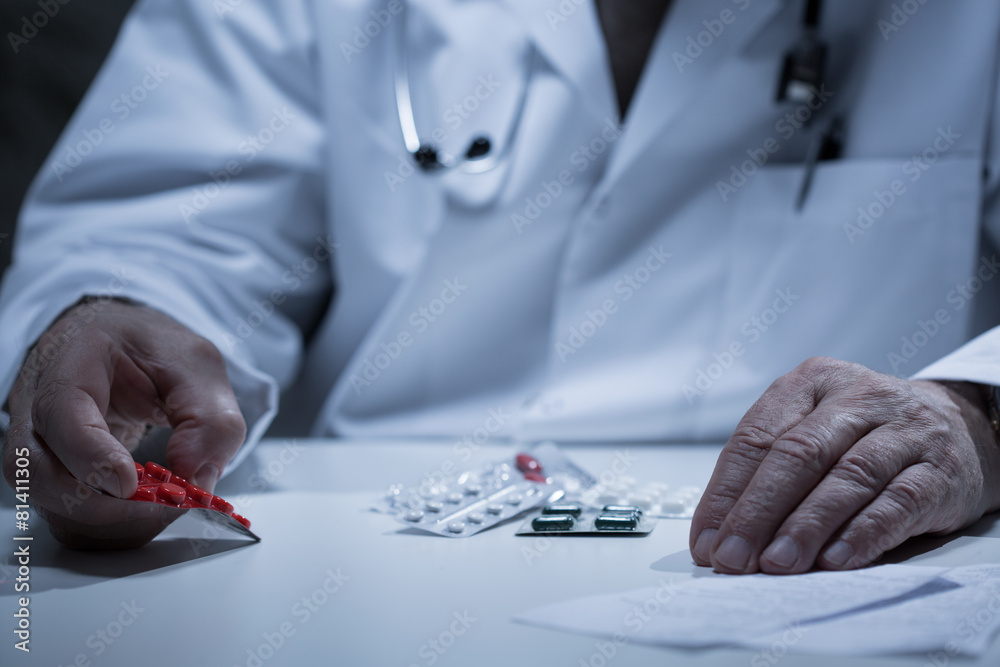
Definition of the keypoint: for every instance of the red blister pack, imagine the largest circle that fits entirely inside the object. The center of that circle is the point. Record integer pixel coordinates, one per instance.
(159, 485)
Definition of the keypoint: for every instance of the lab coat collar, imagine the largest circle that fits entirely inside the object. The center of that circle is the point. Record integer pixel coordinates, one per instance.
(670, 84)
(568, 36)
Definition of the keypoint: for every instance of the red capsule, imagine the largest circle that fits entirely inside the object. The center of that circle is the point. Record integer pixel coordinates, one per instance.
(178, 480)
(243, 520)
(139, 470)
(147, 493)
(158, 472)
(221, 505)
(535, 477)
(200, 496)
(171, 493)
(527, 463)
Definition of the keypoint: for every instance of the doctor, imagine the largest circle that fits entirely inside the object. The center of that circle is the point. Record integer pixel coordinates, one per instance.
(428, 219)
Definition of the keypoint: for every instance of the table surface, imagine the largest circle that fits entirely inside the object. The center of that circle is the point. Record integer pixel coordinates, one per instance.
(400, 597)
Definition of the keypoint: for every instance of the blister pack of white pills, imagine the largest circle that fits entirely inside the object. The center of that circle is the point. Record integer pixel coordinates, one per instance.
(655, 499)
(470, 501)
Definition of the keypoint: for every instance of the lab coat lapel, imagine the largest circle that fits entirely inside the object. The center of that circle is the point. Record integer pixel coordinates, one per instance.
(670, 83)
(568, 36)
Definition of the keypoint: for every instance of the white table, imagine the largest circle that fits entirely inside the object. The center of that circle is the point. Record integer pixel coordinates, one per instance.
(403, 598)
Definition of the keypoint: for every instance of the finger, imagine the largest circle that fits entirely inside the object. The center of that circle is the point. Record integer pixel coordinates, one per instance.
(896, 514)
(794, 465)
(72, 508)
(198, 402)
(785, 403)
(851, 484)
(67, 412)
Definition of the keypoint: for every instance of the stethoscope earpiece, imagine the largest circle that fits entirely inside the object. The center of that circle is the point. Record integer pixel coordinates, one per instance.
(428, 158)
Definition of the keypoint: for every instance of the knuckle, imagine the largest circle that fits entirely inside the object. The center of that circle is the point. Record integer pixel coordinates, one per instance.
(231, 423)
(799, 449)
(751, 440)
(748, 514)
(859, 471)
(906, 497)
(204, 351)
(45, 402)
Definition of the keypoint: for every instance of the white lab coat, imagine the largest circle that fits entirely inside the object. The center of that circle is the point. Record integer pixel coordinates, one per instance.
(236, 160)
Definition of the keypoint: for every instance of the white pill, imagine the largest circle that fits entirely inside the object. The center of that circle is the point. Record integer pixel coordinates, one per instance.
(644, 502)
(515, 499)
(433, 506)
(456, 527)
(476, 517)
(454, 498)
(607, 498)
(673, 506)
(414, 515)
(473, 490)
(495, 508)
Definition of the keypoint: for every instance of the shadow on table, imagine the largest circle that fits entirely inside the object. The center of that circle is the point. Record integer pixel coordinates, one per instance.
(54, 567)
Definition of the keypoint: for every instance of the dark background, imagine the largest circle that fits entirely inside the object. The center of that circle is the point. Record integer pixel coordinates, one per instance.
(41, 81)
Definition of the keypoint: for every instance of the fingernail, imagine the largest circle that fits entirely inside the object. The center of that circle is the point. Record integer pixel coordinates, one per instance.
(733, 553)
(838, 554)
(110, 483)
(783, 552)
(206, 477)
(703, 545)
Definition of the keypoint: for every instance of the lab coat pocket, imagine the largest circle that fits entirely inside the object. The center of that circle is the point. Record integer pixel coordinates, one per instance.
(871, 255)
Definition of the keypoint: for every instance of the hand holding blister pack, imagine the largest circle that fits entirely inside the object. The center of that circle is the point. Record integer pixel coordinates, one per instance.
(471, 501)
(162, 487)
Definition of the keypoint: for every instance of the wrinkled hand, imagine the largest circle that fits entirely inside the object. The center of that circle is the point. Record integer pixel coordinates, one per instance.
(836, 464)
(91, 387)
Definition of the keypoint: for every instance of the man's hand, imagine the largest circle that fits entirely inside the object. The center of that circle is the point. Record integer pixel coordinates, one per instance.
(96, 381)
(836, 464)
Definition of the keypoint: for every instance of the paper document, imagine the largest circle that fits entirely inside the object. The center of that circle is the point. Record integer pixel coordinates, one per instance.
(879, 610)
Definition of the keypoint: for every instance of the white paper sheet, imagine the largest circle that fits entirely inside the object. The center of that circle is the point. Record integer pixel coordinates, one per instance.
(880, 610)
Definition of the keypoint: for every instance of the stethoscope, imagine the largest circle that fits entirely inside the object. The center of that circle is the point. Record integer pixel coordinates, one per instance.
(480, 156)
(802, 75)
